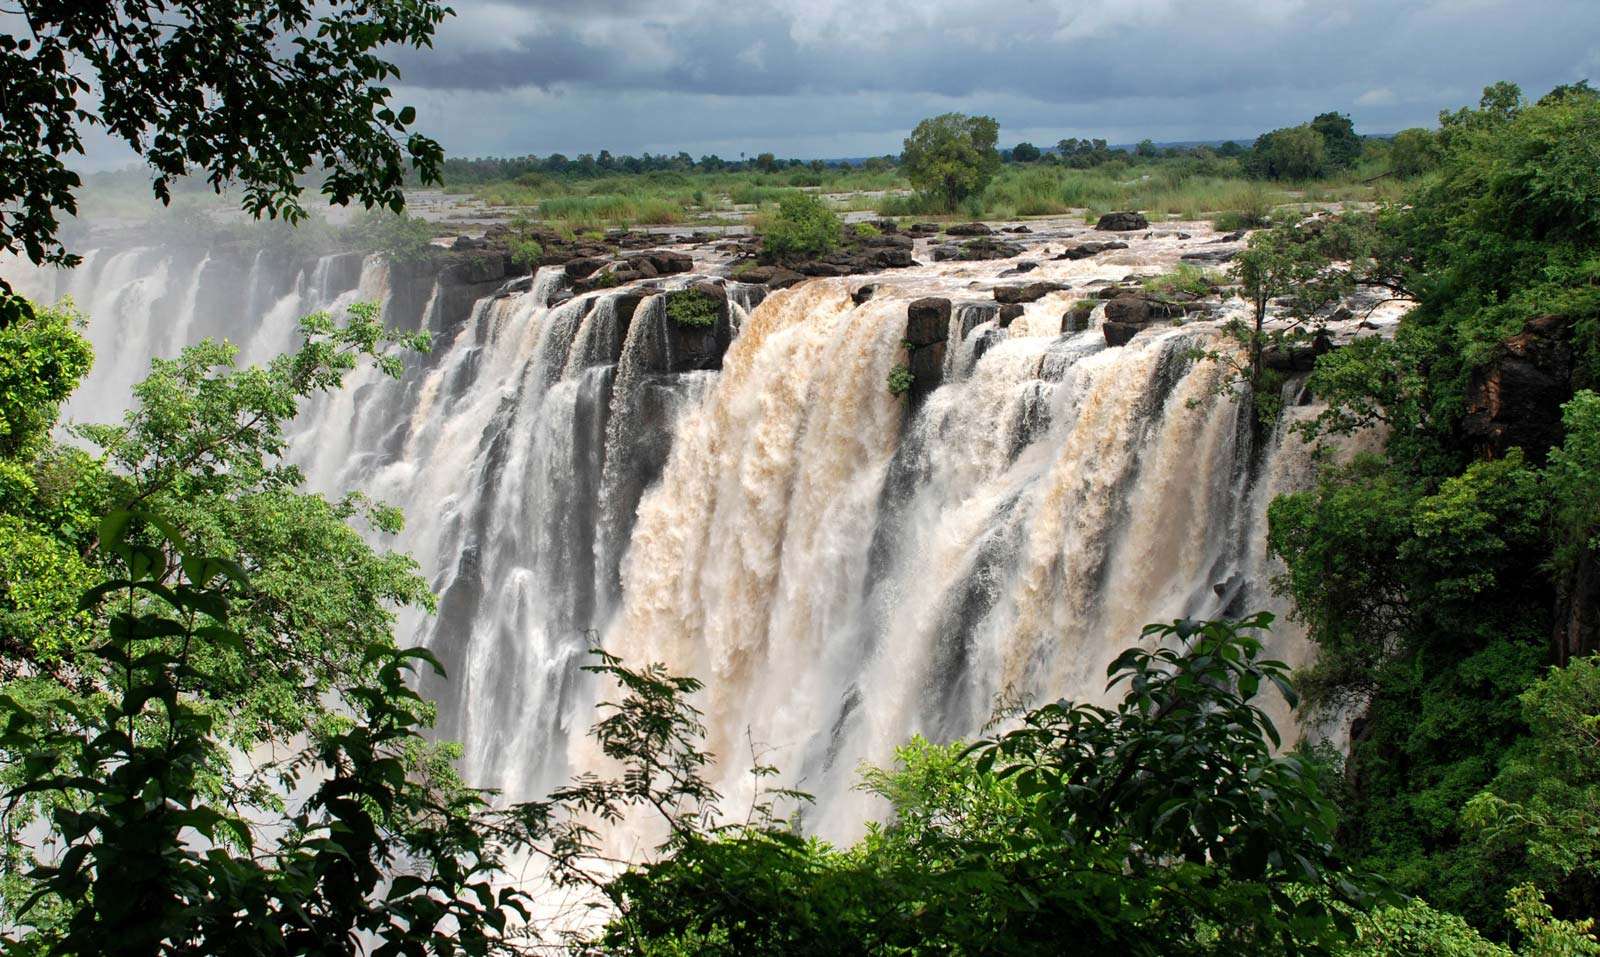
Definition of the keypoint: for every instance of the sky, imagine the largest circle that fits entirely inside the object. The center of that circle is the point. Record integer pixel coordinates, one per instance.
(840, 78)
(834, 78)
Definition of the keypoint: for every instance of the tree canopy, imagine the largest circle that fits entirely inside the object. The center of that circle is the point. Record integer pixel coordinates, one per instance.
(250, 93)
(952, 156)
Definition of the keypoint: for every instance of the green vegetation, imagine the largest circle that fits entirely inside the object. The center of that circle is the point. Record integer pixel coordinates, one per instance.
(804, 226)
(395, 236)
(952, 157)
(1428, 575)
(901, 380)
(690, 307)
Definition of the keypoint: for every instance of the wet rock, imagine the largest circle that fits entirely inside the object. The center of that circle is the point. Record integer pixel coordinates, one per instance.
(923, 228)
(864, 293)
(1016, 229)
(1122, 222)
(977, 249)
(660, 262)
(1232, 237)
(463, 243)
(927, 321)
(1076, 319)
(1085, 250)
(583, 267)
(1020, 268)
(1120, 333)
(1032, 292)
(969, 229)
(1141, 309)
(773, 277)
(1008, 312)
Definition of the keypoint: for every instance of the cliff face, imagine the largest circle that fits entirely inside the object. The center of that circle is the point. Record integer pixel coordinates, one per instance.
(1515, 402)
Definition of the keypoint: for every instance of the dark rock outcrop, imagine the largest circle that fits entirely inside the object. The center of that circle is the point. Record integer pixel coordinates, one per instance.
(1123, 222)
(864, 293)
(977, 249)
(927, 321)
(1085, 250)
(1515, 399)
(969, 229)
(1032, 292)
(1024, 266)
(1008, 313)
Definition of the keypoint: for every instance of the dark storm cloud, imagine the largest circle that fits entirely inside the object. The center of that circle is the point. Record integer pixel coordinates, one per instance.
(845, 74)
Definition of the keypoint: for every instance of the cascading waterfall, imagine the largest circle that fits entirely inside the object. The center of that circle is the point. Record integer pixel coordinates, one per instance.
(842, 574)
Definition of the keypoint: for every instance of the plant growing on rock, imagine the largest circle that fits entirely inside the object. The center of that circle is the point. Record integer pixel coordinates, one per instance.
(900, 380)
(690, 307)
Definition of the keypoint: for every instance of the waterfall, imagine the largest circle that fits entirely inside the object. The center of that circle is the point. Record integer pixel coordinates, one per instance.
(841, 566)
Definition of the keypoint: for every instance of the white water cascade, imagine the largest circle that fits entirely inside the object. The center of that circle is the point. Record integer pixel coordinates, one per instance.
(842, 572)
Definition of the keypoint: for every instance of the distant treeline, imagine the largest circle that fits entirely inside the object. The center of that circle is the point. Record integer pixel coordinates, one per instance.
(1327, 144)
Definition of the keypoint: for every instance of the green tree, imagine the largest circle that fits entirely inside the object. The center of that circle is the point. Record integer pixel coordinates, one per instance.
(1298, 152)
(952, 156)
(251, 92)
(1414, 152)
(1340, 142)
(1025, 153)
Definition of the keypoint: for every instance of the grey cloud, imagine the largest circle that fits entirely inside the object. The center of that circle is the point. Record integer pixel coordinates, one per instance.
(862, 71)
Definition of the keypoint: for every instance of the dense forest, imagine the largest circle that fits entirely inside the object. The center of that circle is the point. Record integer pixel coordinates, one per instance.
(211, 741)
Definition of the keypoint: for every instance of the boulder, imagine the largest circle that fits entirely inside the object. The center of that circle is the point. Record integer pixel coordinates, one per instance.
(1016, 229)
(659, 262)
(469, 242)
(773, 277)
(1032, 292)
(1076, 319)
(1123, 222)
(1141, 309)
(1020, 268)
(977, 249)
(1085, 250)
(969, 229)
(864, 293)
(583, 267)
(1008, 312)
(927, 321)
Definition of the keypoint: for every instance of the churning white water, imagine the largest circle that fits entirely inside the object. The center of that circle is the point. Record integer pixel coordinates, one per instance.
(841, 573)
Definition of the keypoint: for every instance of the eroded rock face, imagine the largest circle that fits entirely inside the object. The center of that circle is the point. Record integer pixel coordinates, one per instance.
(1123, 222)
(1515, 400)
(927, 321)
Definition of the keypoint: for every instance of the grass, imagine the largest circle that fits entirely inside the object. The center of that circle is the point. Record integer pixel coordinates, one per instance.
(1185, 189)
